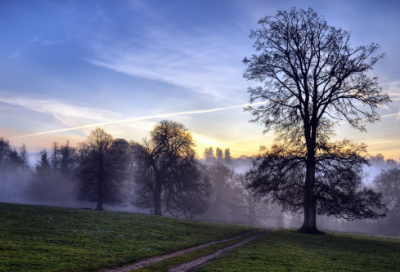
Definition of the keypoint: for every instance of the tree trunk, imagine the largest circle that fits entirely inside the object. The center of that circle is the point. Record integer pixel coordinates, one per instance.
(100, 188)
(309, 224)
(157, 200)
(99, 206)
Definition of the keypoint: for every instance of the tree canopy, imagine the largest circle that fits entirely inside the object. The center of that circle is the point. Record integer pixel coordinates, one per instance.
(279, 175)
(102, 169)
(168, 176)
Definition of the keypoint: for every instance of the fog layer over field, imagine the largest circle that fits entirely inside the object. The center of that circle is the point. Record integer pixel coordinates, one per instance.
(52, 181)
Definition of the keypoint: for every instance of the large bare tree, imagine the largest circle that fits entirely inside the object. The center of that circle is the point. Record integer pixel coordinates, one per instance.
(312, 79)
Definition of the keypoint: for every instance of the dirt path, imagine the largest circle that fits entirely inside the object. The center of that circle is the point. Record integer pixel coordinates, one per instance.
(195, 264)
(156, 259)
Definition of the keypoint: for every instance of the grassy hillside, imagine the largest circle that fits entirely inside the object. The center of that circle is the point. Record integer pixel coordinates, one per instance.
(57, 239)
(286, 250)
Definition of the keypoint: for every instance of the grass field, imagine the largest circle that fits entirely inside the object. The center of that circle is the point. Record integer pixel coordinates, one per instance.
(57, 239)
(38, 238)
(286, 250)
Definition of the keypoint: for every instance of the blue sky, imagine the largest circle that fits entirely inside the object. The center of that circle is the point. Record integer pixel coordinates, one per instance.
(67, 64)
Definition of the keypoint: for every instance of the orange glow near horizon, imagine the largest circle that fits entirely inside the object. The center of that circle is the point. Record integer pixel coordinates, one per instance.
(389, 148)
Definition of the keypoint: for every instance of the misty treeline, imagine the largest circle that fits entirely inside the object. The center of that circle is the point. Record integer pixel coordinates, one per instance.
(161, 174)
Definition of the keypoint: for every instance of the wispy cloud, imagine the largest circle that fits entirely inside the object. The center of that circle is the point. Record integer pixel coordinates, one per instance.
(201, 61)
(68, 113)
(35, 40)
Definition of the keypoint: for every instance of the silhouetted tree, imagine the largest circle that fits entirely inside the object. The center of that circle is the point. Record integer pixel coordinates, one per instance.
(312, 78)
(252, 209)
(55, 157)
(221, 178)
(68, 162)
(209, 155)
(5, 150)
(102, 170)
(388, 182)
(41, 187)
(168, 175)
(219, 154)
(12, 161)
(279, 175)
(14, 171)
(53, 179)
(23, 153)
(227, 157)
(16, 162)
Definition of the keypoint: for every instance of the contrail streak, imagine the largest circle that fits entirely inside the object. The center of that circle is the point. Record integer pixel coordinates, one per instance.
(137, 119)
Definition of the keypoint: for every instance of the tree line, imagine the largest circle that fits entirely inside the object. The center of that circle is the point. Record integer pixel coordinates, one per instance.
(161, 174)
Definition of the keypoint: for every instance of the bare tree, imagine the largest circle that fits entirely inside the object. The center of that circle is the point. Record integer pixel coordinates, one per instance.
(15, 172)
(68, 162)
(168, 175)
(5, 150)
(102, 170)
(219, 154)
(221, 178)
(49, 184)
(24, 157)
(312, 78)
(252, 208)
(388, 182)
(227, 157)
(209, 155)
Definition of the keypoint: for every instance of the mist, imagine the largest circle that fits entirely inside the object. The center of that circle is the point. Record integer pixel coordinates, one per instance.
(51, 181)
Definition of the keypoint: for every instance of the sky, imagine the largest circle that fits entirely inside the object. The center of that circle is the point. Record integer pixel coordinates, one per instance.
(69, 66)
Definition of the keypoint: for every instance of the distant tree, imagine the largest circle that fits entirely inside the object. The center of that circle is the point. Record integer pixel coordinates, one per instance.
(69, 160)
(41, 187)
(279, 175)
(12, 161)
(221, 178)
(219, 154)
(102, 170)
(15, 171)
(391, 162)
(227, 157)
(43, 164)
(24, 157)
(388, 182)
(55, 157)
(209, 155)
(251, 208)
(15, 162)
(167, 175)
(5, 150)
(312, 79)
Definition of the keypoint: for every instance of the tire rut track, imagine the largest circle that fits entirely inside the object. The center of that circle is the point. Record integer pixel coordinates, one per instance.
(199, 262)
(156, 259)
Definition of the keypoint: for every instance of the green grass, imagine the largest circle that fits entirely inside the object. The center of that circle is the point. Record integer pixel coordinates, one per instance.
(57, 239)
(286, 250)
